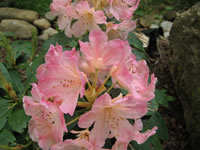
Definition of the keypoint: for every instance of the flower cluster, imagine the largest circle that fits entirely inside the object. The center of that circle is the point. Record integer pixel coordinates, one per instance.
(70, 79)
(78, 16)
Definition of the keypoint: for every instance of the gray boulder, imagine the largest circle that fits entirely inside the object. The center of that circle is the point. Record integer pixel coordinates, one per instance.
(50, 16)
(166, 26)
(42, 23)
(47, 33)
(170, 15)
(21, 29)
(14, 13)
(185, 68)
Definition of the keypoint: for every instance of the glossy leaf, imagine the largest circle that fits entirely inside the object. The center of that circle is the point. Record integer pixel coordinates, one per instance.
(5, 111)
(162, 98)
(18, 120)
(157, 120)
(17, 83)
(22, 47)
(6, 137)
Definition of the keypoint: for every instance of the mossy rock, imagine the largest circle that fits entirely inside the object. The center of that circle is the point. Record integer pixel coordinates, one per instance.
(185, 68)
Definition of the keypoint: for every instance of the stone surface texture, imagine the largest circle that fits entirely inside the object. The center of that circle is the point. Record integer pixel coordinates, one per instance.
(42, 23)
(21, 29)
(47, 33)
(14, 13)
(50, 16)
(185, 68)
(170, 15)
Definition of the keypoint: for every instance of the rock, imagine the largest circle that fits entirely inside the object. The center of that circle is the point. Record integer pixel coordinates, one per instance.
(170, 15)
(154, 26)
(42, 23)
(185, 68)
(50, 31)
(157, 22)
(47, 33)
(146, 21)
(166, 34)
(21, 29)
(14, 13)
(166, 26)
(43, 37)
(50, 16)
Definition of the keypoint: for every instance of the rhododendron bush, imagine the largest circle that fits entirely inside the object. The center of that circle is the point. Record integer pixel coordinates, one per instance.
(92, 92)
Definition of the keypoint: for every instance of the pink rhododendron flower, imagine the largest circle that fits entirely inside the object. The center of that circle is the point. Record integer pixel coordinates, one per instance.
(141, 137)
(120, 30)
(45, 127)
(110, 117)
(65, 11)
(88, 19)
(120, 145)
(134, 76)
(101, 54)
(80, 143)
(122, 9)
(72, 145)
(60, 79)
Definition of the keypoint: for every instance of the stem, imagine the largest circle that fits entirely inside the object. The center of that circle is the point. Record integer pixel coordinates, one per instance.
(81, 104)
(89, 85)
(102, 85)
(72, 121)
(95, 81)
(18, 147)
(111, 87)
(131, 146)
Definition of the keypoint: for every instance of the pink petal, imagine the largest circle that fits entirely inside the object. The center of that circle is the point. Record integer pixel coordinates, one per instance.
(87, 119)
(60, 79)
(83, 7)
(78, 28)
(132, 109)
(101, 129)
(76, 144)
(119, 145)
(98, 40)
(142, 137)
(100, 18)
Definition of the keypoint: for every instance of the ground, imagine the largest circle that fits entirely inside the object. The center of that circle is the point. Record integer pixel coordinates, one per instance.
(173, 116)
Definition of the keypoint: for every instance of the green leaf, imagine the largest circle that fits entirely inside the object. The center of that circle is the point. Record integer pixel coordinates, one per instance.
(5, 82)
(5, 111)
(139, 50)
(5, 72)
(59, 38)
(153, 107)
(139, 13)
(156, 143)
(8, 34)
(162, 98)
(22, 47)
(8, 49)
(157, 120)
(139, 55)
(135, 42)
(73, 119)
(17, 83)
(6, 137)
(18, 120)
(73, 43)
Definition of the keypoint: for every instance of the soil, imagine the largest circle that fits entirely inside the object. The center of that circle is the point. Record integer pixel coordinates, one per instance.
(173, 116)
